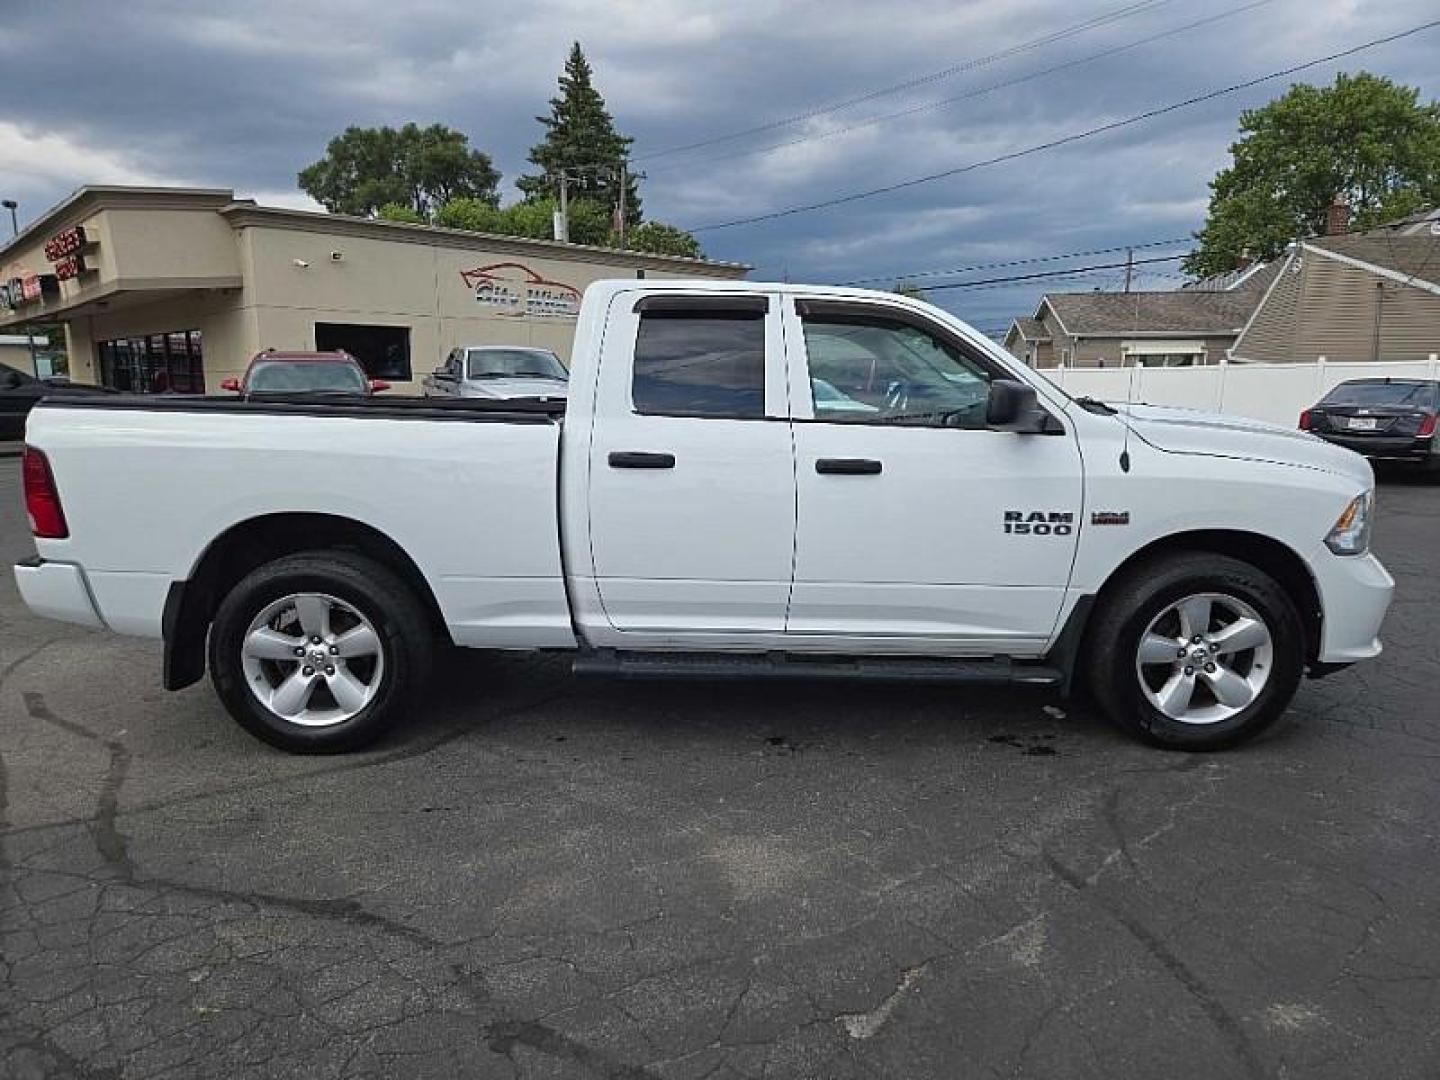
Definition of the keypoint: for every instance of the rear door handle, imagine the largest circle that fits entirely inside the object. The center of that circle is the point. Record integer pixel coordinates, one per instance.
(847, 466)
(639, 459)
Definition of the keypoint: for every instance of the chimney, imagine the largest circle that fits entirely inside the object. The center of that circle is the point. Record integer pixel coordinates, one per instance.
(1245, 261)
(1337, 217)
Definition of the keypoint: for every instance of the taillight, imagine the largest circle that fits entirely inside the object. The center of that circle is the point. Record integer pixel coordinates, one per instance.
(1427, 424)
(1305, 420)
(42, 501)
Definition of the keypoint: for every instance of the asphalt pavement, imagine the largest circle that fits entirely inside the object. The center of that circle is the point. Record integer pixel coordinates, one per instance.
(551, 877)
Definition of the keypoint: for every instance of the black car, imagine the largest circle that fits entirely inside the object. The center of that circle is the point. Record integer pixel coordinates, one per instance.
(18, 394)
(1380, 418)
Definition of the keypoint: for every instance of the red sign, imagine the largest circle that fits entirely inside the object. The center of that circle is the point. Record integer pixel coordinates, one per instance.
(513, 289)
(30, 287)
(72, 266)
(66, 243)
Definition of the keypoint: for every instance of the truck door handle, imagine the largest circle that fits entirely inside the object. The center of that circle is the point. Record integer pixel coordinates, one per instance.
(847, 466)
(639, 459)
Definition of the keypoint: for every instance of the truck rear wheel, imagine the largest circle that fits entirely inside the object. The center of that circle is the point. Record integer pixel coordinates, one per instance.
(319, 652)
(1196, 652)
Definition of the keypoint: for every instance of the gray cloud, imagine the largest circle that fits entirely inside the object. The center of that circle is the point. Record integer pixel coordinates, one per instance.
(245, 95)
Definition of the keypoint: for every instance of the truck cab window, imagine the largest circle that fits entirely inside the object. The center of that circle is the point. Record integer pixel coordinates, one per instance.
(868, 369)
(703, 363)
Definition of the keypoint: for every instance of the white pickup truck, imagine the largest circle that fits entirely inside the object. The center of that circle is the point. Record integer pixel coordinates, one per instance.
(748, 480)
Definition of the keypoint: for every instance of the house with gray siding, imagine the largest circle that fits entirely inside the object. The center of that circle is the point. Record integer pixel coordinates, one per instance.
(1363, 296)
(1186, 327)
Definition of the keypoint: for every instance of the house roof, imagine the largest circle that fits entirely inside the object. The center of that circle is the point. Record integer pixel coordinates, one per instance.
(1031, 329)
(1178, 311)
(1415, 257)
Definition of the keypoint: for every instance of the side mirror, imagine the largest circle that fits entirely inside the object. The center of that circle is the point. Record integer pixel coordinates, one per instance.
(1014, 406)
(233, 385)
(377, 385)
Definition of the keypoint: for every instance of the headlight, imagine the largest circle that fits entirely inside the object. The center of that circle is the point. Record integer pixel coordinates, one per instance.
(1351, 533)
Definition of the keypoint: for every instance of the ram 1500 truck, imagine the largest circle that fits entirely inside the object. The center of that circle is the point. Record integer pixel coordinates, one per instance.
(747, 480)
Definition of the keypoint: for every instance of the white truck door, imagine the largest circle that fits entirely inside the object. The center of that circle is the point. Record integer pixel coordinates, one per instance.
(692, 481)
(917, 529)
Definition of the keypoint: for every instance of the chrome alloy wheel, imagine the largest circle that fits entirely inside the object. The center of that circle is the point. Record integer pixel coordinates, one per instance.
(1204, 658)
(312, 659)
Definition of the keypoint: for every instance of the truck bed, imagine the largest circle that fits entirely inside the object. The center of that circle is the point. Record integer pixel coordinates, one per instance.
(467, 489)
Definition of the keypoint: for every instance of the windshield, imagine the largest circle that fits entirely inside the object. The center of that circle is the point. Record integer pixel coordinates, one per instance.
(305, 377)
(508, 363)
(1418, 395)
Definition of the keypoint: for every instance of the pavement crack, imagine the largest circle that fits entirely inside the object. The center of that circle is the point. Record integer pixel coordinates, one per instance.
(503, 1036)
(1219, 1015)
(109, 841)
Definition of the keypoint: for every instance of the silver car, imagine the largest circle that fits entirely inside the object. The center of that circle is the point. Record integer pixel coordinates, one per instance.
(499, 372)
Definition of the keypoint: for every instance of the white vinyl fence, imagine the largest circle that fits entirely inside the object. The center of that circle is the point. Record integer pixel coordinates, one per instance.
(1273, 392)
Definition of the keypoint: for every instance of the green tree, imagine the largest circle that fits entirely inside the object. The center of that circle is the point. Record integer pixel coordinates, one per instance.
(589, 221)
(422, 168)
(1363, 138)
(467, 213)
(659, 238)
(580, 138)
(395, 211)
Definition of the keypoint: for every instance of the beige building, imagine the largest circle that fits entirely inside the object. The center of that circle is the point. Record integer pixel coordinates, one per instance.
(174, 289)
(1186, 327)
(1365, 296)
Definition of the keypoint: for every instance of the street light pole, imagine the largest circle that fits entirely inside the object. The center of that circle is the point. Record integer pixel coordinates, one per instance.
(12, 206)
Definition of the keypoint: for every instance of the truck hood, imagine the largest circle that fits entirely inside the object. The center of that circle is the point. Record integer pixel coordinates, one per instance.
(521, 386)
(1190, 431)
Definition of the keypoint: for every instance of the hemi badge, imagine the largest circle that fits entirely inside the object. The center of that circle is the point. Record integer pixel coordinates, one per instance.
(1110, 517)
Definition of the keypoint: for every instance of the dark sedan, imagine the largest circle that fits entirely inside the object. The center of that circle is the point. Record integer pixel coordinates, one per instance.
(1391, 419)
(18, 394)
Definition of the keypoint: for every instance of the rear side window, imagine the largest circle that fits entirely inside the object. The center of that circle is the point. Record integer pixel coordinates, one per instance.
(708, 363)
(1418, 395)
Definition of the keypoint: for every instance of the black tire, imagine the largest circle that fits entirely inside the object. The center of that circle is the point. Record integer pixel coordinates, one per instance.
(372, 590)
(1127, 610)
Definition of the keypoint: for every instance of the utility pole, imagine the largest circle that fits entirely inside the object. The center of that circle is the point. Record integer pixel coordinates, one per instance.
(621, 224)
(562, 216)
(1129, 266)
(12, 206)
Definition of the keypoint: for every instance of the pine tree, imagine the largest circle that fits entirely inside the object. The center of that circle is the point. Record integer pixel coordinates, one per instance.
(580, 137)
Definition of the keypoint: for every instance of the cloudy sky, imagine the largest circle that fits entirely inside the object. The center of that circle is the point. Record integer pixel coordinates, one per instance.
(243, 95)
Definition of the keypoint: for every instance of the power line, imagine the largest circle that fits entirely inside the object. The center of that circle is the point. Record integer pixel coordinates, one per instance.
(1016, 262)
(945, 73)
(1052, 273)
(1066, 139)
(968, 95)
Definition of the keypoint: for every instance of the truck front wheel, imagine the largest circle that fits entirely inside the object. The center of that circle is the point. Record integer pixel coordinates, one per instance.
(319, 652)
(1195, 651)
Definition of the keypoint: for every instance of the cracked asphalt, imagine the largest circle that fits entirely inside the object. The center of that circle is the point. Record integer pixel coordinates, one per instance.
(545, 877)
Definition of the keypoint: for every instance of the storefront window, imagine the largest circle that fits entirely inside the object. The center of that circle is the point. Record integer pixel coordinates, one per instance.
(383, 351)
(169, 363)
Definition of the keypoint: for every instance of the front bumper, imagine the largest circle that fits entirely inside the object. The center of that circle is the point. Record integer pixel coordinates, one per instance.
(57, 590)
(1390, 447)
(1355, 594)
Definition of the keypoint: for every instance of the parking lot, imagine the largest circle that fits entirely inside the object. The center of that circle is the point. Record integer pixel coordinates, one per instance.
(552, 877)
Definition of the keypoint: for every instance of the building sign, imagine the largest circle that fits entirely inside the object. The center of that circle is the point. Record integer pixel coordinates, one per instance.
(19, 291)
(71, 266)
(513, 289)
(69, 242)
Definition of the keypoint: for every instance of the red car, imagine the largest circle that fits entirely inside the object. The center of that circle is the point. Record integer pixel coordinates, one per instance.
(288, 373)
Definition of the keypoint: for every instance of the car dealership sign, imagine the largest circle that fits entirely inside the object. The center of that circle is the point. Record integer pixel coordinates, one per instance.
(515, 289)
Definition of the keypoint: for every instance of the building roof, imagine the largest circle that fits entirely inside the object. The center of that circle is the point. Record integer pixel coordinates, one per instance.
(1416, 257)
(1030, 329)
(242, 212)
(1178, 311)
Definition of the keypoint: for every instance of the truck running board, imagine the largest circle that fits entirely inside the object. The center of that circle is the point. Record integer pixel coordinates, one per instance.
(678, 665)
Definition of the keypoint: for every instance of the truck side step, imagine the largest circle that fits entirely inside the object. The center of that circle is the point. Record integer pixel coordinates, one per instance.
(680, 665)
